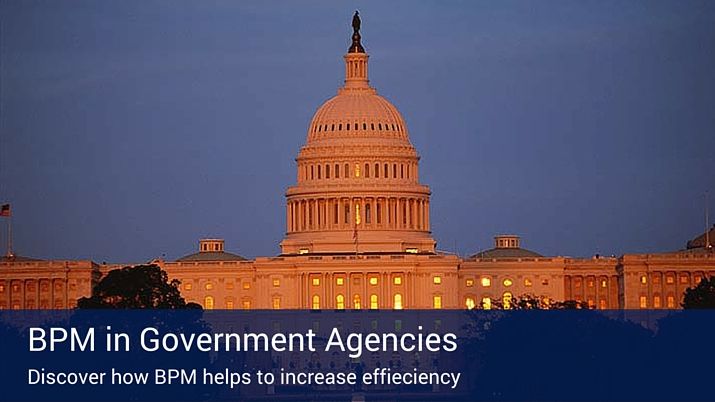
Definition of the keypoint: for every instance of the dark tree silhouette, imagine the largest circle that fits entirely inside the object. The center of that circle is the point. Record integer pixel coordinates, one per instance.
(701, 296)
(532, 302)
(141, 286)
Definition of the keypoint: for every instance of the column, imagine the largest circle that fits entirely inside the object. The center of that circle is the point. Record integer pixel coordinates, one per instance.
(315, 214)
(387, 303)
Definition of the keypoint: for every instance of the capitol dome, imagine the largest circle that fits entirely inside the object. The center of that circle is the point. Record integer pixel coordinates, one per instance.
(357, 187)
(358, 114)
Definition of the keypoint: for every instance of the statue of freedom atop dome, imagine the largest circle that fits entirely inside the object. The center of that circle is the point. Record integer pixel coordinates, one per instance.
(356, 21)
(356, 46)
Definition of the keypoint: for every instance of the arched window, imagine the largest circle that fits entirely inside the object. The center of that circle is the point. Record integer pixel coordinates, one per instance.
(319, 170)
(394, 170)
(332, 127)
(486, 303)
(377, 170)
(373, 302)
(437, 301)
(347, 171)
(316, 302)
(357, 170)
(470, 303)
(387, 171)
(347, 126)
(327, 171)
(397, 301)
(379, 126)
(368, 218)
(356, 302)
(506, 300)
(378, 213)
(367, 170)
(312, 171)
(340, 302)
(402, 171)
(372, 126)
(356, 126)
(337, 171)
(347, 213)
(209, 303)
(364, 126)
(340, 127)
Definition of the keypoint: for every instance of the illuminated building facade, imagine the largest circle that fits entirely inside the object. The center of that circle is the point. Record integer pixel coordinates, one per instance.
(358, 237)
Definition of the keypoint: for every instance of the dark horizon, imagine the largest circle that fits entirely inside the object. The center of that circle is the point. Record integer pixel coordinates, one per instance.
(129, 130)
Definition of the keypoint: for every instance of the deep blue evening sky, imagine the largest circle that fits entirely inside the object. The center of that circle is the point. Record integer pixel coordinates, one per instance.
(133, 128)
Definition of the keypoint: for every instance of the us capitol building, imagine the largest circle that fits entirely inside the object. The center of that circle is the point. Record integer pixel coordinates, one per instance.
(358, 237)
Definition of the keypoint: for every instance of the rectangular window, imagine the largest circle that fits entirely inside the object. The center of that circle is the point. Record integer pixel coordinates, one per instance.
(644, 279)
(527, 282)
(437, 302)
(684, 279)
(671, 302)
(276, 303)
(656, 302)
(276, 283)
(437, 280)
(340, 281)
(373, 280)
(229, 304)
(187, 286)
(397, 280)
(643, 302)
(246, 305)
(470, 283)
(670, 279)
(316, 281)
(486, 282)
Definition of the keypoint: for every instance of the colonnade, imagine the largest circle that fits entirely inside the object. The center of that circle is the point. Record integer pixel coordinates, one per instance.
(343, 213)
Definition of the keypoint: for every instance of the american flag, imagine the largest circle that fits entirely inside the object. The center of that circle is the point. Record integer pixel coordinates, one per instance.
(5, 210)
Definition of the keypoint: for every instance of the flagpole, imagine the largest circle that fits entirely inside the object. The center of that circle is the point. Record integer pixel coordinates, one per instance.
(9, 236)
(707, 224)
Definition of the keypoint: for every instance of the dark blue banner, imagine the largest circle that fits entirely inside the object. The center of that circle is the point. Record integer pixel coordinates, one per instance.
(193, 355)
